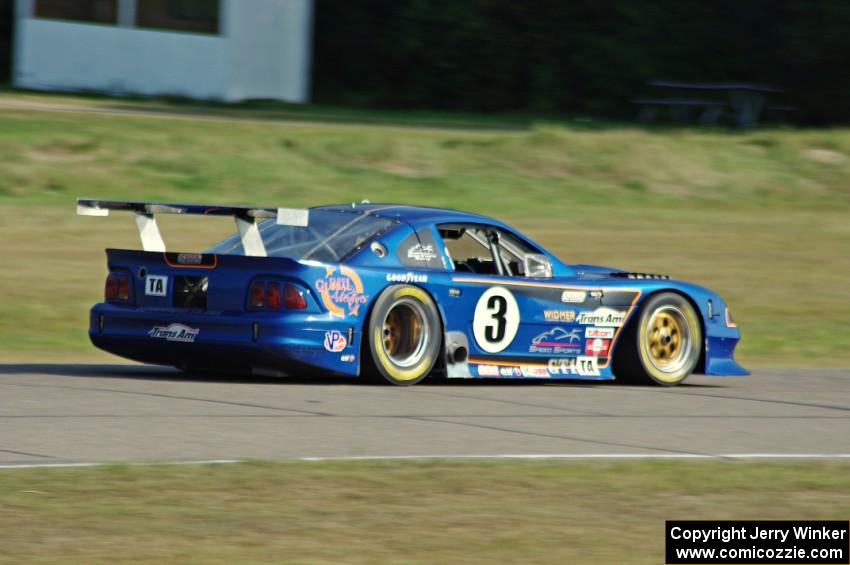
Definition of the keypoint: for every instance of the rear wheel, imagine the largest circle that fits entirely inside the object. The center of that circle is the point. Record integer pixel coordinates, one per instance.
(662, 344)
(404, 335)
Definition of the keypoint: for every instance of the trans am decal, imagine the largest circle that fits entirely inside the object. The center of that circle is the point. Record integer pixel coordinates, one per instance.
(174, 332)
(602, 317)
(342, 291)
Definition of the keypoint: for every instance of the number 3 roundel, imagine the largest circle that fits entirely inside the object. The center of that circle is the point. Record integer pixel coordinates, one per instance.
(496, 319)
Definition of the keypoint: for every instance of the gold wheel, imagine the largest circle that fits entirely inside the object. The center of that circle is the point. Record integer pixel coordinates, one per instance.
(405, 339)
(668, 339)
(404, 333)
(662, 345)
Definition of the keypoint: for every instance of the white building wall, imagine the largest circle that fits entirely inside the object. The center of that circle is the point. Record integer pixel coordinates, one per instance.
(281, 29)
(262, 52)
(76, 56)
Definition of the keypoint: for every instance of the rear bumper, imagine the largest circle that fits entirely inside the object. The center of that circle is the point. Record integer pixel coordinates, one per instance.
(285, 342)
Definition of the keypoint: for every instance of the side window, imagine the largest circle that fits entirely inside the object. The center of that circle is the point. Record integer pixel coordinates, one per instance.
(484, 250)
(420, 250)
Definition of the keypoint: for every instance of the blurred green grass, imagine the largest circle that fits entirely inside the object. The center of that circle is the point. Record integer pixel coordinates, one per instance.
(762, 217)
(394, 512)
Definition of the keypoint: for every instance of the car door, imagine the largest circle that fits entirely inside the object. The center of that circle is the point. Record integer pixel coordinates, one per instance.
(515, 322)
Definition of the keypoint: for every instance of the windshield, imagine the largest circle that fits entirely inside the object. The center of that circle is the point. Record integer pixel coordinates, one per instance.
(330, 236)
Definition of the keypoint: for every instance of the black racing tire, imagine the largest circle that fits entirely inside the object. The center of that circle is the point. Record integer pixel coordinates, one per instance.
(662, 343)
(404, 336)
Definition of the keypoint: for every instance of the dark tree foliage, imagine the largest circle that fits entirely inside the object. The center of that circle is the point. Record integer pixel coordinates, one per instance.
(5, 40)
(582, 56)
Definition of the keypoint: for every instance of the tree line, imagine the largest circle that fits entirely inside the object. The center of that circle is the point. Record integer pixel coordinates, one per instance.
(576, 57)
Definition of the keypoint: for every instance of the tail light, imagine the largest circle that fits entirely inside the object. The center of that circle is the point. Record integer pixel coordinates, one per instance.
(267, 294)
(273, 295)
(110, 291)
(123, 286)
(117, 287)
(293, 298)
(257, 294)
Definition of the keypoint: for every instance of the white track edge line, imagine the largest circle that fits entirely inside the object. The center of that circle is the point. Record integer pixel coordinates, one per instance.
(545, 456)
(518, 456)
(108, 463)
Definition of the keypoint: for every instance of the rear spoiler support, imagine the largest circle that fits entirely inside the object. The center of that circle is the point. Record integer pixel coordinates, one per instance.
(149, 232)
(249, 233)
(245, 216)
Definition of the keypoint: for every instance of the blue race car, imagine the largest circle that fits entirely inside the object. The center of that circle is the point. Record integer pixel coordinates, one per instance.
(397, 293)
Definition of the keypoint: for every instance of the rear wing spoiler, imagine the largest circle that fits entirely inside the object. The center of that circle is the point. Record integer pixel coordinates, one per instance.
(246, 219)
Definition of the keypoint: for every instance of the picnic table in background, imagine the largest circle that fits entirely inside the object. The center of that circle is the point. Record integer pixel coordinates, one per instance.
(744, 103)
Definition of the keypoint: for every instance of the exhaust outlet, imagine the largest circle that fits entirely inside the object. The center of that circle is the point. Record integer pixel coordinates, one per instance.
(457, 353)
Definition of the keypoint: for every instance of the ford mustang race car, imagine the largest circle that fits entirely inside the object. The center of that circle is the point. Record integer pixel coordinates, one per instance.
(397, 293)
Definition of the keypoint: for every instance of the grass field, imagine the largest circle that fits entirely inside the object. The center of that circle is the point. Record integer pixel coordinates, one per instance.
(470, 512)
(762, 217)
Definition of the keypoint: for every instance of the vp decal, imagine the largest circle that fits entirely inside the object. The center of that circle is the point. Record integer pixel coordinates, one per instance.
(496, 319)
(335, 341)
(341, 292)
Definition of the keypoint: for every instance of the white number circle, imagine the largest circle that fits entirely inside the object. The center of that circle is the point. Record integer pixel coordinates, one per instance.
(496, 319)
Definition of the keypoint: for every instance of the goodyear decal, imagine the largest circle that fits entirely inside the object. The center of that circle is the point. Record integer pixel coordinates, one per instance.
(342, 291)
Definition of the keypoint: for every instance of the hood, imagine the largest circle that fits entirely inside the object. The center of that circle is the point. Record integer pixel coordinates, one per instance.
(600, 272)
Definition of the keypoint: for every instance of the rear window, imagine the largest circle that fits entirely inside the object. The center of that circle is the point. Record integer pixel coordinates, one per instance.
(330, 236)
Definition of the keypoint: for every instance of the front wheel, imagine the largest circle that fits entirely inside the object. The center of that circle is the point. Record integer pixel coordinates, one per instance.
(662, 345)
(404, 335)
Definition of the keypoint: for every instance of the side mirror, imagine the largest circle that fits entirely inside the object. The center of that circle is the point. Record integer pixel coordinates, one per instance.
(537, 266)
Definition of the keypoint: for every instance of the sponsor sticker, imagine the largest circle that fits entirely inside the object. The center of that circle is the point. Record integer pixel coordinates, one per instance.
(156, 285)
(348, 358)
(602, 317)
(587, 366)
(510, 371)
(573, 296)
(342, 291)
(562, 366)
(335, 341)
(536, 371)
(407, 277)
(566, 316)
(602, 333)
(302, 350)
(190, 258)
(557, 341)
(488, 371)
(423, 253)
(174, 332)
(597, 347)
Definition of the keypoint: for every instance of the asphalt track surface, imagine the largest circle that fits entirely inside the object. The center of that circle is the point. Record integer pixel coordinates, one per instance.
(55, 414)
